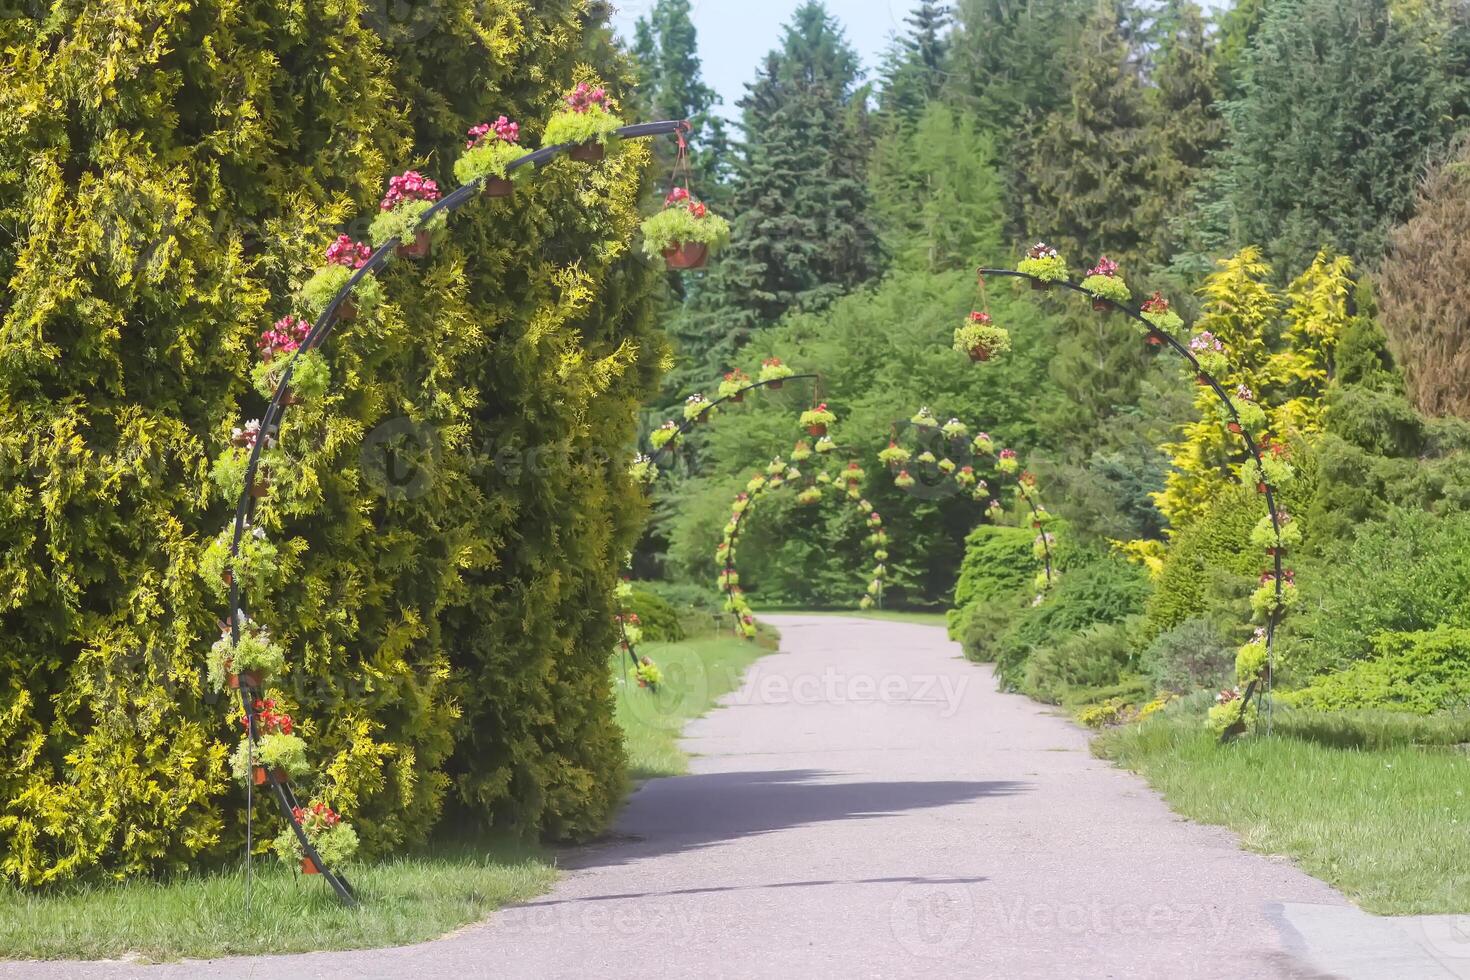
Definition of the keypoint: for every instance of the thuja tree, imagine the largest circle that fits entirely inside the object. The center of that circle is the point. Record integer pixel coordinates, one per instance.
(446, 634)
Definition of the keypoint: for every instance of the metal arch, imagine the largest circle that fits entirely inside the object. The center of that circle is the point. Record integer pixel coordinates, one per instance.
(1263, 684)
(684, 428)
(735, 535)
(316, 336)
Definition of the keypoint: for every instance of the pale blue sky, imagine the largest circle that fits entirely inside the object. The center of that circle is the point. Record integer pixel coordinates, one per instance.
(735, 34)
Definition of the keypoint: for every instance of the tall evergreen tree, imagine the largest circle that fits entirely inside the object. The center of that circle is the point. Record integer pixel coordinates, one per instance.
(1089, 167)
(802, 230)
(666, 46)
(1185, 123)
(1340, 105)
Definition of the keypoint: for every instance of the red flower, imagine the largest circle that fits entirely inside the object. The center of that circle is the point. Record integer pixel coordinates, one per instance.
(345, 251)
(1155, 304)
(676, 195)
(698, 209)
(977, 317)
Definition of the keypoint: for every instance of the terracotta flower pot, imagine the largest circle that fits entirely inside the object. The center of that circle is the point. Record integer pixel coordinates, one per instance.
(978, 354)
(291, 399)
(258, 774)
(227, 577)
(260, 487)
(416, 249)
(499, 187)
(1260, 488)
(1101, 305)
(347, 311)
(253, 678)
(1154, 340)
(234, 681)
(308, 867)
(775, 385)
(686, 255)
(1040, 284)
(1202, 381)
(820, 429)
(1233, 427)
(737, 398)
(593, 152)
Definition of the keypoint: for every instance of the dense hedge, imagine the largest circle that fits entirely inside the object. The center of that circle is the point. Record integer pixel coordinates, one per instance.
(447, 640)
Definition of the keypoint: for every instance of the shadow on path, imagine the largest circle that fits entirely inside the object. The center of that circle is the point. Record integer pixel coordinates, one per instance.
(899, 879)
(690, 812)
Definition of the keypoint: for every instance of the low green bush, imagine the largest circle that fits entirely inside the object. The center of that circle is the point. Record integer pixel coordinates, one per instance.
(1421, 672)
(1405, 573)
(1108, 590)
(657, 617)
(1192, 656)
(1094, 657)
(982, 624)
(997, 564)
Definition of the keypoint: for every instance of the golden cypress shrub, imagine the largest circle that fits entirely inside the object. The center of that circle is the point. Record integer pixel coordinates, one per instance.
(172, 175)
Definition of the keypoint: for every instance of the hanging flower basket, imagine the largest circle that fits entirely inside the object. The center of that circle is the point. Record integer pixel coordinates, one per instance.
(1264, 535)
(955, 429)
(249, 662)
(1044, 265)
(333, 839)
(685, 232)
(489, 150)
(981, 339)
(926, 458)
(1007, 462)
(965, 478)
(280, 752)
(894, 456)
(982, 444)
(946, 466)
(1209, 353)
(802, 451)
(1104, 285)
(1156, 311)
(643, 469)
(773, 373)
(816, 420)
(344, 257)
(809, 496)
(994, 510)
(698, 408)
(664, 434)
(586, 122)
(733, 386)
(648, 674)
(903, 480)
(825, 445)
(853, 475)
(924, 419)
(401, 215)
(256, 562)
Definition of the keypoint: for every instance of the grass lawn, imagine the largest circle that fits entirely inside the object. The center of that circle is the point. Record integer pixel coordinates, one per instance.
(1377, 805)
(891, 615)
(696, 673)
(404, 900)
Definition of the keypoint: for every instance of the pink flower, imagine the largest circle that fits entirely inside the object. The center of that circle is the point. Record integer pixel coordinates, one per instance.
(1206, 342)
(409, 186)
(1244, 392)
(503, 128)
(584, 97)
(345, 251)
(676, 195)
(978, 317)
(1155, 304)
(1105, 267)
(698, 209)
(283, 337)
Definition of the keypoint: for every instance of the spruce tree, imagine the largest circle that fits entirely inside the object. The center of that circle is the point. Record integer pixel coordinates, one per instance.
(666, 47)
(1088, 169)
(802, 230)
(1341, 104)
(1185, 125)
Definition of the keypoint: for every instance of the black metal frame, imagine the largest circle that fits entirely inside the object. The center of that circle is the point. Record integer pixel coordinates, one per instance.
(1259, 686)
(316, 336)
(735, 539)
(684, 429)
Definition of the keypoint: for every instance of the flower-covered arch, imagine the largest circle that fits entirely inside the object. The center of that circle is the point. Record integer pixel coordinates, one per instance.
(941, 472)
(779, 473)
(412, 215)
(1265, 468)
